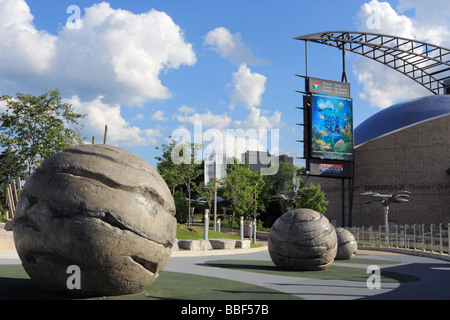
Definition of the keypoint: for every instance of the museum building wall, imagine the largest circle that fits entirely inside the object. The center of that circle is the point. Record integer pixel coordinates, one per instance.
(416, 159)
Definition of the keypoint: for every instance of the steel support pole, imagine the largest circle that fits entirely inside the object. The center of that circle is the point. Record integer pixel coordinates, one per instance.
(386, 223)
(343, 202)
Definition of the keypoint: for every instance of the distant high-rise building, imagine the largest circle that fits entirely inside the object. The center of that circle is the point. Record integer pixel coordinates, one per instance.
(286, 159)
(260, 159)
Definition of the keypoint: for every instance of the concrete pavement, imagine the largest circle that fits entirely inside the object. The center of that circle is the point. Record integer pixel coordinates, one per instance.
(434, 275)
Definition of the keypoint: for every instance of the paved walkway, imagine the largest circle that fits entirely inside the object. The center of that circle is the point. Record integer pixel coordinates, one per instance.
(434, 275)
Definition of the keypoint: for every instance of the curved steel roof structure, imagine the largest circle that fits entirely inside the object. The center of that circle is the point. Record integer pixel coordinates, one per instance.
(425, 63)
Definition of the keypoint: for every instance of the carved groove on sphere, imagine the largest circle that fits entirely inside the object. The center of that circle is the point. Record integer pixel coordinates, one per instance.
(347, 245)
(101, 208)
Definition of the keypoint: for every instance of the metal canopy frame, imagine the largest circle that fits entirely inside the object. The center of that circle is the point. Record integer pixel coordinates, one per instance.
(425, 63)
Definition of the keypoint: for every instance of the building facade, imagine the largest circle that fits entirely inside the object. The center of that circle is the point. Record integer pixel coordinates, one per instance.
(413, 155)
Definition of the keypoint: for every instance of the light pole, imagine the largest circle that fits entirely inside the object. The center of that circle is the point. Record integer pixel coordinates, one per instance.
(385, 200)
(289, 197)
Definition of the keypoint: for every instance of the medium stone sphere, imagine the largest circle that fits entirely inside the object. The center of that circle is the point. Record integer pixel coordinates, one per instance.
(94, 220)
(347, 245)
(302, 239)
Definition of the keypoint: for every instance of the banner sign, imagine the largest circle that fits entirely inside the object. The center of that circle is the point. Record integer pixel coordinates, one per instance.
(215, 168)
(332, 88)
(331, 168)
(331, 127)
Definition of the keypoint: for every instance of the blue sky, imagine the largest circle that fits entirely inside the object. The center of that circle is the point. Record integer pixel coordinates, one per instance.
(148, 68)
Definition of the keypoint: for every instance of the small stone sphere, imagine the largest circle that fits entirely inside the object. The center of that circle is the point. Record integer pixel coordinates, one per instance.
(347, 245)
(94, 220)
(303, 240)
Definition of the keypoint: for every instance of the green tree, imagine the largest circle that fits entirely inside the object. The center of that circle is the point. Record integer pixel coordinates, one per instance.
(181, 205)
(177, 166)
(285, 182)
(36, 127)
(207, 193)
(312, 198)
(167, 168)
(244, 188)
(11, 167)
(286, 179)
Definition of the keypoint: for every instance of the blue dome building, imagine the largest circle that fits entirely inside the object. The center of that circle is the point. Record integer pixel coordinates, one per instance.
(403, 147)
(402, 115)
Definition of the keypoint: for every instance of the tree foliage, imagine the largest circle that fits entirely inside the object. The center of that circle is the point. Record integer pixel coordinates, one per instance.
(11, 167)
(312, 198)
(246, 193)
(36, 127)
(177, 166)
(286, 179)
(167, 168)
(244, 188)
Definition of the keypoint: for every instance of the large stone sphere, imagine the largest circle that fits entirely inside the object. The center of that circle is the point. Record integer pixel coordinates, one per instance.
(302, 239)
(101, 209)
(347, 245)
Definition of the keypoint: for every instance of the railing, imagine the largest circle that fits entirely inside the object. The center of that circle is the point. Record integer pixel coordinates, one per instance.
(434, 238)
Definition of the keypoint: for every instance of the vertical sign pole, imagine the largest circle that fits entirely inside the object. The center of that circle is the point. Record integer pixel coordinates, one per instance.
(215, 191)
(344, 74)
(343, 202)
(386, 223)
(306, 59)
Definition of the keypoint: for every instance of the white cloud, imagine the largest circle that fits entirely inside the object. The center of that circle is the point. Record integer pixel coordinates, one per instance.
(382, 85)
(159, 116)
(185, 109)
(431, 20)
(236, 144)
(230, 46)
(3, 106)
(256, 120)
(387, 20)
(23, 50)
(115, 53)
(139, 116)
(99, 114)
(207, 119)
(248, 87)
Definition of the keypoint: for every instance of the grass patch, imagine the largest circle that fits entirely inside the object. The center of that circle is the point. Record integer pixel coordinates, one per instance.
(195, 233)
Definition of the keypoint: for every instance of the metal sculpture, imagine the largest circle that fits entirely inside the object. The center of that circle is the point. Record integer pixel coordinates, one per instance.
(289, 197)
(386, 200)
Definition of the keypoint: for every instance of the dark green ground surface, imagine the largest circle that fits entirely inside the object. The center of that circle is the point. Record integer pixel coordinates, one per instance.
(16, 284)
